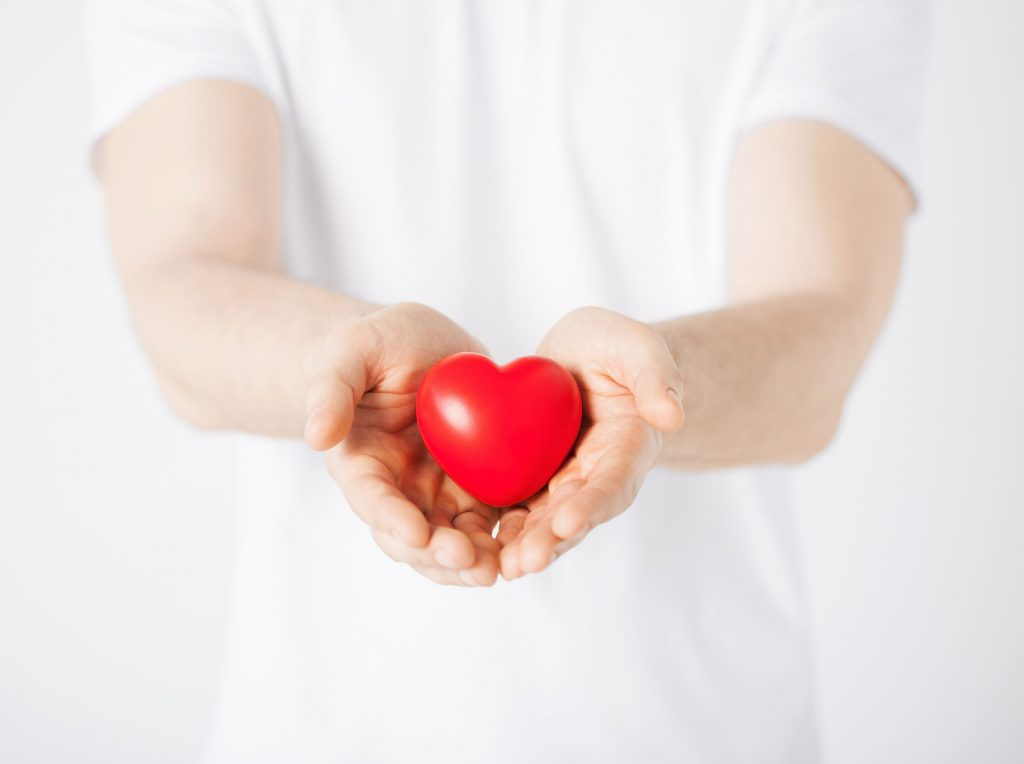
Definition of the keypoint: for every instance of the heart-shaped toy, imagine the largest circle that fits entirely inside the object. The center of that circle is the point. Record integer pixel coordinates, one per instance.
(500, 432)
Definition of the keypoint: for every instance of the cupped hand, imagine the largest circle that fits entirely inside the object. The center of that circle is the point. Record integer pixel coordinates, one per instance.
(632, 394)
(361, 402)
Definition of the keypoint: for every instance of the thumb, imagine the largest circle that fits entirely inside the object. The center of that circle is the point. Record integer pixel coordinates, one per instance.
(658, 391)
(331, 399)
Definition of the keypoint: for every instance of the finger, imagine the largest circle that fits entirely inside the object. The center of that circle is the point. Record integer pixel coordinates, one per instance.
(658, 391)
(537, 546)
(551, 548)
(440, 575)
(508, 562)
(475, 525)
(448, 548)
(484, 570)
(609, 489)
(482, 573)
(370, 489)
(565, 545)
(539, 542)
(511, 525)
(469, 530)
(533, 548)
(331, 400)
(509, 531)
(514, 523)
(452, 548)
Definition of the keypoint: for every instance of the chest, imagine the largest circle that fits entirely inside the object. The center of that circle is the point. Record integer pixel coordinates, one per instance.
(617, 63)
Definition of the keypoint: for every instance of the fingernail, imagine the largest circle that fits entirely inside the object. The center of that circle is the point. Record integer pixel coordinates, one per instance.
(467, 578)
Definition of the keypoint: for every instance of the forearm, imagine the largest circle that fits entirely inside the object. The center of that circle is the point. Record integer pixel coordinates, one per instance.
(231, 345)
(764, 381)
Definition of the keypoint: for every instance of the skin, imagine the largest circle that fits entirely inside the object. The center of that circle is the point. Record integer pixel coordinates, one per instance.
(816, 230)
(816, 226)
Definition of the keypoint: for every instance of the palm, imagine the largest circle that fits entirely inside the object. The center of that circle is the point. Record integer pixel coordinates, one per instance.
(613, 437)
(362, 406)
(615, 449)
(416, 513)
(631, 395)
(384, 435)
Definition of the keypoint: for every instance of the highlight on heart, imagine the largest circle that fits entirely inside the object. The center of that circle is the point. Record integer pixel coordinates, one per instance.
(500, 432)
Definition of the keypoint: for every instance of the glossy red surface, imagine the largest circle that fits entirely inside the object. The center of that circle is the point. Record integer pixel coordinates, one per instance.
(500, 432)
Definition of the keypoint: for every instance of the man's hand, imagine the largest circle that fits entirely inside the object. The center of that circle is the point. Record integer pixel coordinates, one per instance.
(362, 406)
(195, 229)
(632, 393)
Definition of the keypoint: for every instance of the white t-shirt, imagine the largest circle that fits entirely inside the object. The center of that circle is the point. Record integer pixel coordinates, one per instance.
(506, 162)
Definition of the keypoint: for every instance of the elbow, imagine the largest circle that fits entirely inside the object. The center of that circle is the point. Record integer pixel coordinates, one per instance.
(816, 435)
(186, 407)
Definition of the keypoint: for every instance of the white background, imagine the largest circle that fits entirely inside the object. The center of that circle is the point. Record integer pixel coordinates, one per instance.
(114, 531)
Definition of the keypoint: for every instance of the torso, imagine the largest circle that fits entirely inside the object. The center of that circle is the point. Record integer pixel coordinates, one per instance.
(506, 162)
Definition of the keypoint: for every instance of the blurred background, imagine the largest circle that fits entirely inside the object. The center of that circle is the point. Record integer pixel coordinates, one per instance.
(115, 532)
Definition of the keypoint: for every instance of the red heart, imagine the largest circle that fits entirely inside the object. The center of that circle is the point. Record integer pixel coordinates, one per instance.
(500, 432)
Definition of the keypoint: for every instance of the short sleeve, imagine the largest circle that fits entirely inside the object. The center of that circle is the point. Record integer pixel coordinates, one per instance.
(136, 48)
(860, 65)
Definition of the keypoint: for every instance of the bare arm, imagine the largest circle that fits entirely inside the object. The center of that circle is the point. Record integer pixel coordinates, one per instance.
(193, 188)
(193, 191)
(816, 238)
